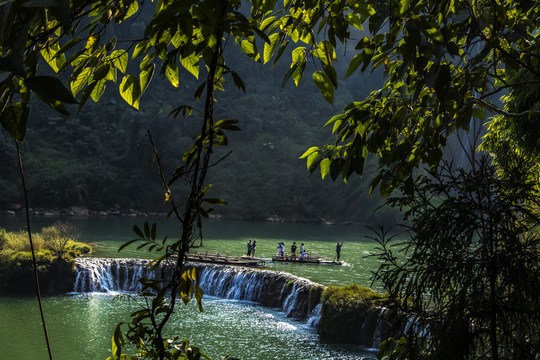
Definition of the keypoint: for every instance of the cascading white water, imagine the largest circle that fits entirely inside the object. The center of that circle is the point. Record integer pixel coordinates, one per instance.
(107, 275)
(315, 316)
(276, 289)
(290, 300)
(279, 290)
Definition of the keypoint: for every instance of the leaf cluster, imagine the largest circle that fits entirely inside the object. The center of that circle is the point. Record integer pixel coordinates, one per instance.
(444, 62)
(465, 279)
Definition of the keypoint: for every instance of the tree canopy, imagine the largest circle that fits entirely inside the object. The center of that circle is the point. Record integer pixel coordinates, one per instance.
(445, 63)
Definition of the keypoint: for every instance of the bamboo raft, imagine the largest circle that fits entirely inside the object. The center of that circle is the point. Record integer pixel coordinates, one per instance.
(297, 259)
(305, 260)
(224, 260)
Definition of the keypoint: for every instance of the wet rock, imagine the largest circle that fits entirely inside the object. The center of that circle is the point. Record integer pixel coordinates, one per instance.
(80, 211)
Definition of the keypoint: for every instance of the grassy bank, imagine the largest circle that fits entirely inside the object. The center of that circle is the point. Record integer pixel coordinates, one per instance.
(55, 248)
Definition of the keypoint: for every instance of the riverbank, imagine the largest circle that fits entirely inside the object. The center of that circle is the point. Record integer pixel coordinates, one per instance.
(18, 210)
(53, 250)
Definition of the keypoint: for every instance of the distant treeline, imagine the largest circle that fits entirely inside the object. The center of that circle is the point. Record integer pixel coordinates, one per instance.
(94, 158)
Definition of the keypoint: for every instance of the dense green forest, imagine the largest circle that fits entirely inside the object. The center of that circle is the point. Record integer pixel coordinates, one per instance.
(93, 159)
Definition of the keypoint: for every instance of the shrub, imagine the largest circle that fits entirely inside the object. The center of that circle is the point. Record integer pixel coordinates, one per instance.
(18, 241)
(58, 236)
(3, 238)
(79, 248)
(349, 314)
(55, 254)
(349, 298)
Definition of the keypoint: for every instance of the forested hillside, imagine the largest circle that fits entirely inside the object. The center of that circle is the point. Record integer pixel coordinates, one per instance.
(92, 159)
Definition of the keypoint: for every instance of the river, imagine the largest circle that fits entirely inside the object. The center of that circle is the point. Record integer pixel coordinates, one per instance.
(81, 325)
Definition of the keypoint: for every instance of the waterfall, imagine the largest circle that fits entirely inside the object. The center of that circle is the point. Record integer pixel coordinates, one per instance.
(108, 275)
(270, 288)
(315, 317)
(288, 293)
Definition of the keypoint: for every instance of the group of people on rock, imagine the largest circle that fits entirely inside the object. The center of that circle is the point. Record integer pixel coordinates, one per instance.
(252, 247)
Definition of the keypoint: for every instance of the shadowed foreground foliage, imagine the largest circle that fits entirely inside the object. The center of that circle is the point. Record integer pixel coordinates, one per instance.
(467, 281)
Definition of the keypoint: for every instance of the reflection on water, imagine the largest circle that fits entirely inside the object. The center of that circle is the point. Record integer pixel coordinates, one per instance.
(81, 327)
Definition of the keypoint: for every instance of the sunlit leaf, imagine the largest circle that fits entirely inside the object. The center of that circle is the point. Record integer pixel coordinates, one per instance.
(130, 90)
(52, 56)
(98, 90)
(120, 59)
(325, 85)
(132, 10)
(198, 296)
(249, 48)
(80, 81)
(311, 158)
(269, 48)
(117, 342)
(171, 72)
(325, 167)
(92, 41)
(267, 22)
(140, 48)
(298, 55)
(309, 151)
(355, 63)
(146, 76)
(298, 73)
(191, 64)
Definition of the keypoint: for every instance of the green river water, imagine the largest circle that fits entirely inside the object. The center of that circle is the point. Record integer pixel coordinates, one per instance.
(81, 325)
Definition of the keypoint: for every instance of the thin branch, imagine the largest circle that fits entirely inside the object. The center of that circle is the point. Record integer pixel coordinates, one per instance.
(500, 111)
(34, 263)
(500, 88)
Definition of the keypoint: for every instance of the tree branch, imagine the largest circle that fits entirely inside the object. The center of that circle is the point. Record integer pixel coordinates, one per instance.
(500, 111)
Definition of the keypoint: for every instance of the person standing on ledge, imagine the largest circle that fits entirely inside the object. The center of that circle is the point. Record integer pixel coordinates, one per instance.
(253, 248)
(338, 249)
(249, 248)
